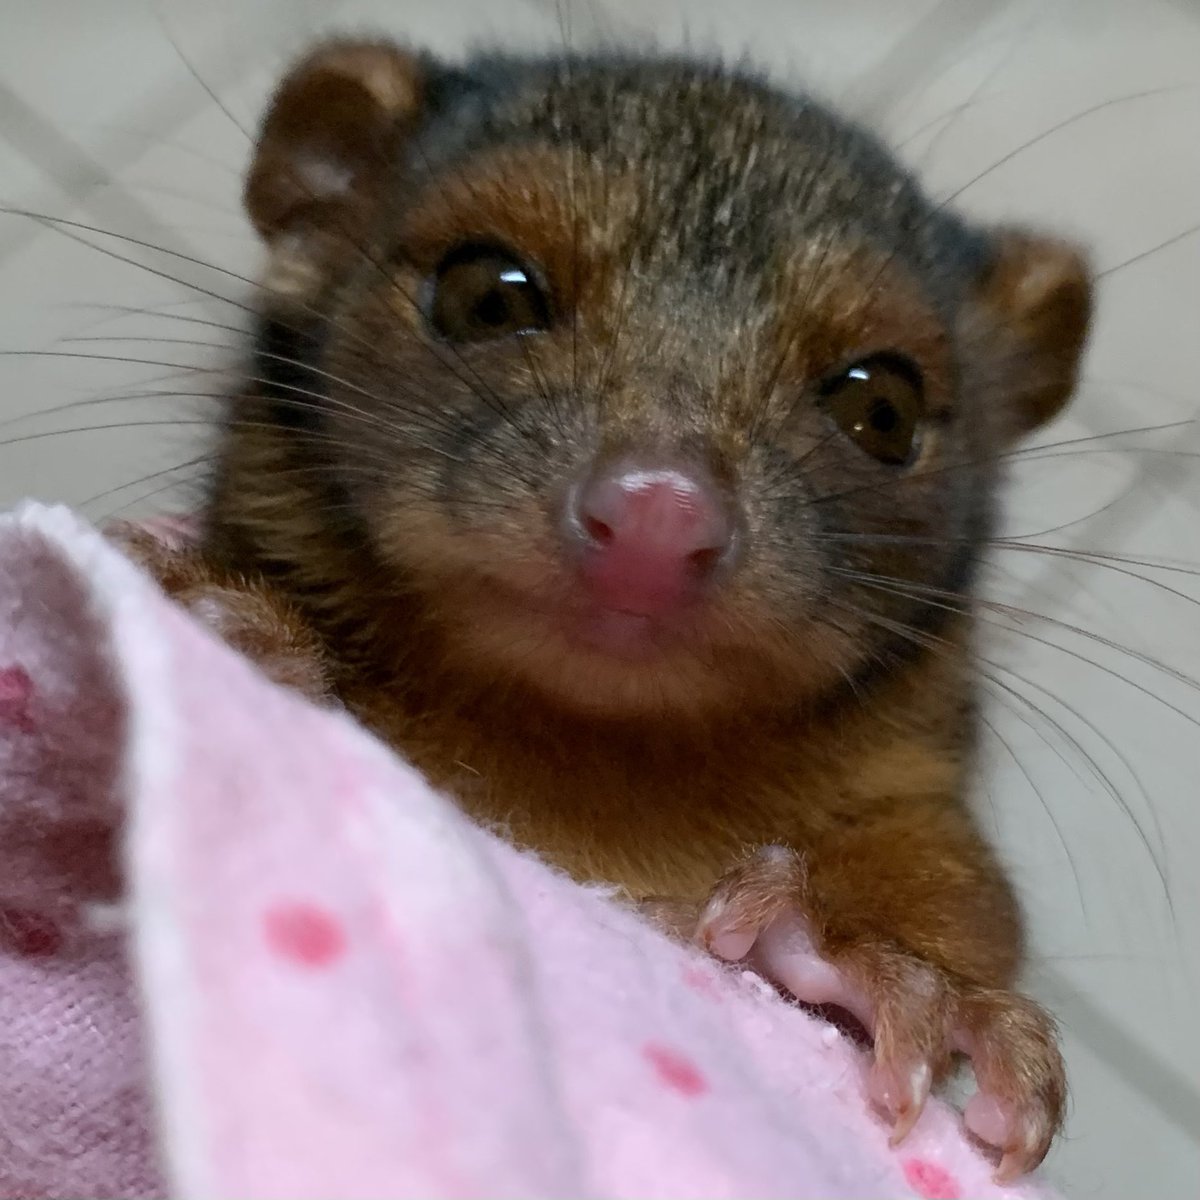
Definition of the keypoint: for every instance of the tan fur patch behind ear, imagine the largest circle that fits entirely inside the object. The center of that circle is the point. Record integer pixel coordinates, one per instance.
(1036, 302)
(326, 152)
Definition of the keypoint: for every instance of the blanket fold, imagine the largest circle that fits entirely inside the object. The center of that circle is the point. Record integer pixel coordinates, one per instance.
(247, 954)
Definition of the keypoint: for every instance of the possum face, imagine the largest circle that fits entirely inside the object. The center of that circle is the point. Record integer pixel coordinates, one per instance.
(651, 385)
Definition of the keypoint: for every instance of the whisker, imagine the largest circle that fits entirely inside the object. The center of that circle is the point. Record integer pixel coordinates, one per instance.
(283, 359)
(165, 473)
(1061, 837)
(1108, 272)
(65, 227)
(1097, 771)
(925, 594)
(1058, 127)
(937, 644)
(1092, 557)
(894, 481)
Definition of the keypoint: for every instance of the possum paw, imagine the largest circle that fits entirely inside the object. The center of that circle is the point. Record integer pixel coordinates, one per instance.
(245, 614)
(917, 1014)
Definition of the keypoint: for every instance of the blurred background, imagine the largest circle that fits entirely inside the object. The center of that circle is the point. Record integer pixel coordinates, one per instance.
(134, 117)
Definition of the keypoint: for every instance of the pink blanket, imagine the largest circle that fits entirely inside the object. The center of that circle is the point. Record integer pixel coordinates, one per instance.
(245, 952)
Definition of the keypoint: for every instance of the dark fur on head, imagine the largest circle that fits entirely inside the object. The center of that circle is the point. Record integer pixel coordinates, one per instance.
(713, 250)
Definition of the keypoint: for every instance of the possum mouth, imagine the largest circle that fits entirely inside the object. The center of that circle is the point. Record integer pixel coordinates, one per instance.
(622, 633)
(539, 627)
(590, 629)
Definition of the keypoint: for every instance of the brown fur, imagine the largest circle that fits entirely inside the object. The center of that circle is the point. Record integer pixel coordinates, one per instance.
(254, 619)
(784, 713)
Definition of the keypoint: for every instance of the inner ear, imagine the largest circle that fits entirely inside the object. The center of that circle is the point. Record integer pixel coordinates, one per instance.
(1034, 301)
(327, 150)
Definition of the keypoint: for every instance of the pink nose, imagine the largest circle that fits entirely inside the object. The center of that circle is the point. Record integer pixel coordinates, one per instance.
(650, 536)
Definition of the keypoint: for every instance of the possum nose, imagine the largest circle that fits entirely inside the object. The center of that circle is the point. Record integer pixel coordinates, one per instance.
(650, 536)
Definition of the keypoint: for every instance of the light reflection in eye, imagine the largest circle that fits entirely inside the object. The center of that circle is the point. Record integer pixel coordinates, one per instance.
(859, 373)
(514, 275)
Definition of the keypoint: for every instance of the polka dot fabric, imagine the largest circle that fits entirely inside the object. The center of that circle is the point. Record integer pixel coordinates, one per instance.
(345, 987)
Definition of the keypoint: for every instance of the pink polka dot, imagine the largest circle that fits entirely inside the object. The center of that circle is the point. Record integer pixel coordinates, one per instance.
(701, 981)
(16, 690)
(29, 933)
(304, 934)
(930, 1181)
(674, 1070)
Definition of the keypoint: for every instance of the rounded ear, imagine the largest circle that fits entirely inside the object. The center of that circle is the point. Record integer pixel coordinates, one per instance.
(1032, 311)
(326, 152)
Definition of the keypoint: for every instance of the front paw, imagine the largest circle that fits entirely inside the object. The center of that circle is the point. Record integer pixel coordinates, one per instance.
(246, 615)
(918, 1014)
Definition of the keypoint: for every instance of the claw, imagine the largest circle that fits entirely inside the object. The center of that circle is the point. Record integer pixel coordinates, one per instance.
(1018, 1162)
(917, 1012)
(1012, 1167)
(989, 1119)
(746, 902)
(1018, 1108)
(719, 933)
(902, 1096)
(1021, 1134)
(1032, 1147)
(1023, 1141)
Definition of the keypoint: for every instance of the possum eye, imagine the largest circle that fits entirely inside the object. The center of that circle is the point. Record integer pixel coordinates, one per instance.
(481, 292)
(878, 404)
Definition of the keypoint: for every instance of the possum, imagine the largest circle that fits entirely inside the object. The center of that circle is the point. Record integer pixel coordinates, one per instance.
(622, 438)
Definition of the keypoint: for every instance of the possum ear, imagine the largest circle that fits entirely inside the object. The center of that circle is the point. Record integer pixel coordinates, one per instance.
(1031, 313)
(327, 153)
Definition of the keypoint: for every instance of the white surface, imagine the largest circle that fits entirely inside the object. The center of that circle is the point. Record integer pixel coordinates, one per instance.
(102, 122)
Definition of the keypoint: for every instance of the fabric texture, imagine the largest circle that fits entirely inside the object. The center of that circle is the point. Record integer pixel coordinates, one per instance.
(246, 953)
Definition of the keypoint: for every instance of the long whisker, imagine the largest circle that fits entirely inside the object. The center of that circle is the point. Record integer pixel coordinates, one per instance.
(1097, 771)
(959, 605)
(167, 473)
(1056, 128)
(936, 644)
(896, 481)
(1108, 272)
(1092, 557)
(1064, 845)
(393, 401)
(67, 228)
